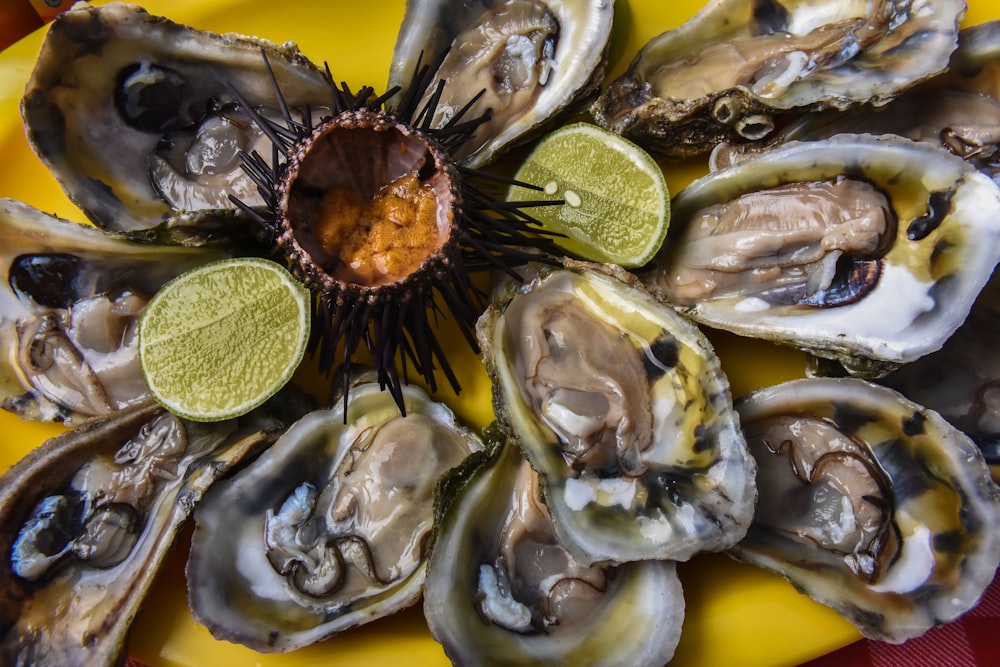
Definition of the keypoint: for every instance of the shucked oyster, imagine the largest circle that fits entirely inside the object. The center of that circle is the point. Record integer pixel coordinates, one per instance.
(330, 527)
(89, 516)
(136, 116)
(622, 407)
(69, 311)
(728, 71)
(530, 60)
(870, 504)
(866, 250)
(958, 110)
(502, 590)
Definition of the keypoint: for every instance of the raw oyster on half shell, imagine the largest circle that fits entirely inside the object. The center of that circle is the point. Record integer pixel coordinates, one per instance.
(526, 61)
(621, 406)
(89, 516)
(502, 590)
(958, 110)
(136, 115)
(69, 312)
(866, 250)
(726, 73)
(870, 504)
(330, 527)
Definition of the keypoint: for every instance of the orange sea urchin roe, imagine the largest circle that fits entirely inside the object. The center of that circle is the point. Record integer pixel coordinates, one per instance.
(382, 238)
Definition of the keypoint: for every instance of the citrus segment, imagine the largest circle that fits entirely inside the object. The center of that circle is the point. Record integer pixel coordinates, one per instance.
(220, 339)
(616, 206)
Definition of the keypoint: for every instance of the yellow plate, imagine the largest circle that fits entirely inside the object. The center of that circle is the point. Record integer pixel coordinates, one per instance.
(736, 615)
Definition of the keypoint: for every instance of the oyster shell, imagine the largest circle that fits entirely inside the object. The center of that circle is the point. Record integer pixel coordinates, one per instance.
(870, 504)
(867, 250)
(960, 380)
(87, 519)
(622, 407)
(532, 60)
(329, 528)
(958, 110)
(728, 71)
(69, 311)
(136, 115)
(500, 589)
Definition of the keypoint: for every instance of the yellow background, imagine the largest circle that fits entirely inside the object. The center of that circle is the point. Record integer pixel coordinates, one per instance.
(736, 615)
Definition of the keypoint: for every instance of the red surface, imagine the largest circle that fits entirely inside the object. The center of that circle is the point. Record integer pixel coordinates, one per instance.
(971, 641)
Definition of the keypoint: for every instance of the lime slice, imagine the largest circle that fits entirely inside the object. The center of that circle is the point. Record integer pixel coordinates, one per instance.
(219, 340)
(616, 208)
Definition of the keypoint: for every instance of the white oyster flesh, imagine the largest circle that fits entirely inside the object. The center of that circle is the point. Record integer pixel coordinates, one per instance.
(869, 250)
(330, 527)
(870, 504)
(527, 61)
(622, 407)
(501, 589)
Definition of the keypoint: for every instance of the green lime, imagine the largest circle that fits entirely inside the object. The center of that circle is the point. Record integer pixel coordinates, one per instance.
(616, 208)
(219, 340)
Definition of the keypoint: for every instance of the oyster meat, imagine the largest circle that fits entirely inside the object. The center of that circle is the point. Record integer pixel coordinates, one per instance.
(89, 516)
(726, 73)
(69, 311)
(866, 250)
(136, 115)
(502, 590)
(525, 61)
(622, 407)
(870, 504)
(958, 110)
(330, 527)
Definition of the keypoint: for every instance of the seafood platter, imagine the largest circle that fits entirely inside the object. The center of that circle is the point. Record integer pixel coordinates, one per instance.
(778, 436)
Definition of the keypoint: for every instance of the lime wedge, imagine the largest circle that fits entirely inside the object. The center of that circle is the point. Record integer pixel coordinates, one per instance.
(220, 339)
(616, 208)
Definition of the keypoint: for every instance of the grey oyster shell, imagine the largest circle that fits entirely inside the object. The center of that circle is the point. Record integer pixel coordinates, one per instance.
(69, 309)
(533, 61)
(868, 250)
(621, 406)
(870, 504)
(502, 590)
(726, 73)
(87, 519)
(329, 528)
(137, 118)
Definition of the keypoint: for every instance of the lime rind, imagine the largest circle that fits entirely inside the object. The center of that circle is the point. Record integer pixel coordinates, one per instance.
(617, 206)
(219, 340)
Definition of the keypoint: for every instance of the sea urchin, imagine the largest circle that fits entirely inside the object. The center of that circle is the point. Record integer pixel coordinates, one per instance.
(368, 208)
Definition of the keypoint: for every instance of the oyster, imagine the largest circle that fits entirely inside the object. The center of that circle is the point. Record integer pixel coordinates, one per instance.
(726, 73)
(870, 504)
(69, 312)
(136, 115)
(525, 61)
(958, 110)
(500, 588)
(867, 250)
(622, 407)
(961, 380)
(329, 528)
(87, 519)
